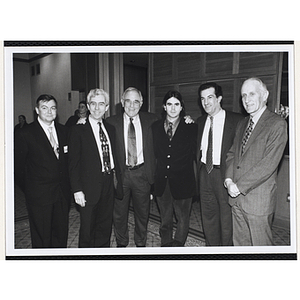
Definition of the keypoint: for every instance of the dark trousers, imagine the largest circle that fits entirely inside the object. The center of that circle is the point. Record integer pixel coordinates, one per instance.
(251, 230)
(182, 209)
(137, 187)
(49, 224)
(96, 220)
(215, 210)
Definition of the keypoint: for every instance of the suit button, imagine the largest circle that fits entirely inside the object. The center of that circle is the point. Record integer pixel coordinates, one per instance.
(238, 167)
(168, 156)
(166, 177)
(170, 145)
(168, 167)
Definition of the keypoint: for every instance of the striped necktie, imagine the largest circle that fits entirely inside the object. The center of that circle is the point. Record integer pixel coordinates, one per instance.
(247, 134)
(53, 142)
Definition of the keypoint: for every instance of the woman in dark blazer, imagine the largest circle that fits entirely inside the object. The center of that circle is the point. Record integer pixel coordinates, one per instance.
(174, 147)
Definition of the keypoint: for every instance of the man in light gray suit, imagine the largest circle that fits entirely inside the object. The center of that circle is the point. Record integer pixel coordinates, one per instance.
(251, 167)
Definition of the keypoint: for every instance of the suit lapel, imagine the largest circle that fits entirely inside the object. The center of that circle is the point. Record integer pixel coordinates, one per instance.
(91, 141)
(257, 129)
(44, 141)
(201, 125)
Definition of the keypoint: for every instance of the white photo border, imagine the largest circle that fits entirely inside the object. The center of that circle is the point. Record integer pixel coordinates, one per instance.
(136, 252)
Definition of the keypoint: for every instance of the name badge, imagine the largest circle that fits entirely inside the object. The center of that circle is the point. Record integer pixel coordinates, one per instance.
(65, 149)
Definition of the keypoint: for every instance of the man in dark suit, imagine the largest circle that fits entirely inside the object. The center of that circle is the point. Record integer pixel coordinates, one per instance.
(216, 131)
(93, 170)
(174, 185)
(41, 167)
(252, 164)
(134, 150)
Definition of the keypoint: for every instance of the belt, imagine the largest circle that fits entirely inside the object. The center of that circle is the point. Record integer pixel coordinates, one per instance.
(214, 166)
(130, 168)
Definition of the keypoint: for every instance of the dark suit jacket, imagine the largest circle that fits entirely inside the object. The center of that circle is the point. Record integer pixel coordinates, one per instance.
(85, 163)
(175, 159)
(147, 120)
(44, 176)
(255, 171)
(231, 121)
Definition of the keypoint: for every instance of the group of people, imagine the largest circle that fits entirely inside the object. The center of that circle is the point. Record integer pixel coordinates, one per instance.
(227, 159)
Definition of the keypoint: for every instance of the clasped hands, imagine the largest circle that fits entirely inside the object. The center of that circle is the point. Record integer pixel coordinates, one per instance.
(232, 188)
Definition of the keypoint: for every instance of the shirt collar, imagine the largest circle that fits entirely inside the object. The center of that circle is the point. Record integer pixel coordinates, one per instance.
(258, 114)
(44, 125)
(174, 123)
(219, 115)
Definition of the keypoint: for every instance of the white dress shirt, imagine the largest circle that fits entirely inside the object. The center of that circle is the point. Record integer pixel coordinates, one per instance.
(218, 127)
(138, 134)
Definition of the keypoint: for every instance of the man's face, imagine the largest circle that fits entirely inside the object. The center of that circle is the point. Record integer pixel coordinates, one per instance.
(132, 103)
(97, 107)
(47, 111)
(173, 108)
(82, 108)
(210, 102)
(253, 97)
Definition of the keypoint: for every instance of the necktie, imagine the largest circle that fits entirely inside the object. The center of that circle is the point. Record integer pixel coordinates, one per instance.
(247, 134)
(105, 150)
(53, 142)
(209, 158)
(131, 144)
(169, 131)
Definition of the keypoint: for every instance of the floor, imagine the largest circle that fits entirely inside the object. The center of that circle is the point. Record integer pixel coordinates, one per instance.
(195, 238)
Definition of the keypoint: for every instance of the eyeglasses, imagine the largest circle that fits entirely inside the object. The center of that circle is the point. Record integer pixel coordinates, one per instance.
(134, 102)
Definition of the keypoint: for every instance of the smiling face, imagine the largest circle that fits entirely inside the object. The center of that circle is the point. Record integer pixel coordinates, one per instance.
(210, 102)
(97, 107)
(47, 111)
(132, 103)
(173, 108)
(253, 96)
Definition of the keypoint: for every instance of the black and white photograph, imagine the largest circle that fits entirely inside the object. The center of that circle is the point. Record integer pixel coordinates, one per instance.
(150, 150)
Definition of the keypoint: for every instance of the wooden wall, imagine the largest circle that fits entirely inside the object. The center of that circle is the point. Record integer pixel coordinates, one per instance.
(185, 72)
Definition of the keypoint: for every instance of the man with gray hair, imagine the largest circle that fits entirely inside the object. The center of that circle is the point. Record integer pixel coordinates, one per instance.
(251, 167)
(134, 150)
(93, 171)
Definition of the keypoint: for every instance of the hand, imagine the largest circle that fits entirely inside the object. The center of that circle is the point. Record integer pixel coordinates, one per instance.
(188, 120)
(80, 198)
(232, 188)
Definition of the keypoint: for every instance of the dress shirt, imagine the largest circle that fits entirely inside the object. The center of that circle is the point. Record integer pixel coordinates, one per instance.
(174, 126)
(139, 137)
(218, 127)
(45, 128)
(95, 127)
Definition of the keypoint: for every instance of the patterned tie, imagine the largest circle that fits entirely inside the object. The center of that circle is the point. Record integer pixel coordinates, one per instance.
(169, 131)
(105, 150)
(247, 134)
(132, 152)
(53, 142)
(209, 158)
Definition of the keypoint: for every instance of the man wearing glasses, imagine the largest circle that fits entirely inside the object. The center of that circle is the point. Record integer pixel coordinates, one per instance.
(134, 151)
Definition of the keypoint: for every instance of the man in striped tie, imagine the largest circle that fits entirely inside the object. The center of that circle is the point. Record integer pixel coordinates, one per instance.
(252, 164)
